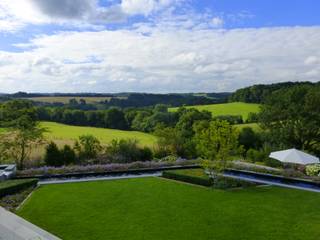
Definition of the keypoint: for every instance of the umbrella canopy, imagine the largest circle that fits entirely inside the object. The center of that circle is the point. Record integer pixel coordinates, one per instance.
(294, 156)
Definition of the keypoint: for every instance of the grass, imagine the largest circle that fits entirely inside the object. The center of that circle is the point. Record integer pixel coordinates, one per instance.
(66, 100)
(154, 208)
(62, 132)
(254, 126)
(236, 108)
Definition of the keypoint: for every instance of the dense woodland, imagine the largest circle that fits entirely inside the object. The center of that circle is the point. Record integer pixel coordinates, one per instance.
(260, 93)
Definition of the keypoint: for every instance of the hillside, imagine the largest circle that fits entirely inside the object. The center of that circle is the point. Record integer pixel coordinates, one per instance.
(62, 132)
(236, 108)
(258, 93)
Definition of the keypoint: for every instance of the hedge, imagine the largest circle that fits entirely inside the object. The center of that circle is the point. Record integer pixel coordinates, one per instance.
(199, 177)
(194, 176)
(9, 187)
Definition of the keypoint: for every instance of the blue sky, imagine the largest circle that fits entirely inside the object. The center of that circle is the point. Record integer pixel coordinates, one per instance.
(156, 45)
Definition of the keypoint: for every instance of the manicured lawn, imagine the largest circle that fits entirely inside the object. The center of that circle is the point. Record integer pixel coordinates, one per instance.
(154, 208)
(236, 108)
(59, 131)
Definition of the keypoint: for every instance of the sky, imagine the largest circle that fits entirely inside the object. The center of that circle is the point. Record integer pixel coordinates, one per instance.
(156, 46)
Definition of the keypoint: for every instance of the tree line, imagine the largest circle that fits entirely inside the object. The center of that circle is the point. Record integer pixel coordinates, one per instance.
(139, 119)
(260, 93)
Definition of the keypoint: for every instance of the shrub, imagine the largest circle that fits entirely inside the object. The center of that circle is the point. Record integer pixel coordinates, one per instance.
(127, 150)
(88, 147)
(13, 186)
(199, 177)
(53, 155)
(255, 155)
(146, 154)
(56, 158)
(313, 170)
(227, 182)
(68, 155)
(262, 156)
(194, 176)
(249, 139)
(252, 117)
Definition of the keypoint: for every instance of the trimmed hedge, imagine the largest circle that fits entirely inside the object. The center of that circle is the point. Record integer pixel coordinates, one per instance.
(199, 177)
(194, 176)
(9, 187)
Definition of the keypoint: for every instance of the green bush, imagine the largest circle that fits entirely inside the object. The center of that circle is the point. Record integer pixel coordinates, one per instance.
(199, 177)
(56, 158)
(88, 147)
(9, 187)
(194, 176)
(313, 170)
(227, 182)
(53, 155)
(127, 151)
(68, 155)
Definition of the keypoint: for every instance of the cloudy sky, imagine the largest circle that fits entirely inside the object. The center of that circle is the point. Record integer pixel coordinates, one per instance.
(156, 45)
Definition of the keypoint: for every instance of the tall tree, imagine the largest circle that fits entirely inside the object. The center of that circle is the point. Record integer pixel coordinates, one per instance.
(293, 118)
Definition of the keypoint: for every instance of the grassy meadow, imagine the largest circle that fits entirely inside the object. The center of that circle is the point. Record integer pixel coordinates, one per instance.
(62, 132)
(236, 108)
(254, 126)
(155, 208)
(66, 100)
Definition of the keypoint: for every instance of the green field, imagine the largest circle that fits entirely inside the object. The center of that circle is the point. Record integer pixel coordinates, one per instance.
(157, 209)
(254, 126)
(62, 132)
(67, 99)
(236, 108)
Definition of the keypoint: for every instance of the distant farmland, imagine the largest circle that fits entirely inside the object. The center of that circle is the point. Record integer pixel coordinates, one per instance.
(66, 100)
(236, 108)
(61, 132)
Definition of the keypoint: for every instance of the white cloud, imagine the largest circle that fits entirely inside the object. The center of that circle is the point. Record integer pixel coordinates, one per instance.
(144, 7)
(175, 59)
(312, 60)
(15, 14)
(217, 22)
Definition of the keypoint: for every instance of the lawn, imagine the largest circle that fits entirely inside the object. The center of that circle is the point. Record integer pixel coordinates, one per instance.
(236, 108)
(154, 208)
(62, 132)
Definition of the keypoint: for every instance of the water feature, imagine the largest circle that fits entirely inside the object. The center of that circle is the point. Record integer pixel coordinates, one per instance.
(274, 180)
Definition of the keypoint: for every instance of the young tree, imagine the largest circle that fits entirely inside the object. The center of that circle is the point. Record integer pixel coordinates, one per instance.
(88, 147)
(215, 141)
(68, 155)
(23, 132)
(53, 156)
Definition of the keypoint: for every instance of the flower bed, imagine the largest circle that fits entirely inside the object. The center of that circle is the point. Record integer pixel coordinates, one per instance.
(48, 171)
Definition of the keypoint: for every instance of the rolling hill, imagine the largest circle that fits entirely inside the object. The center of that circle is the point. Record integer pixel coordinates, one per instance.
(236, 108)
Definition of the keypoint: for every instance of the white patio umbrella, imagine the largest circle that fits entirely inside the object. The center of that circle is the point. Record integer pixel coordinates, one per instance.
(294, 156)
